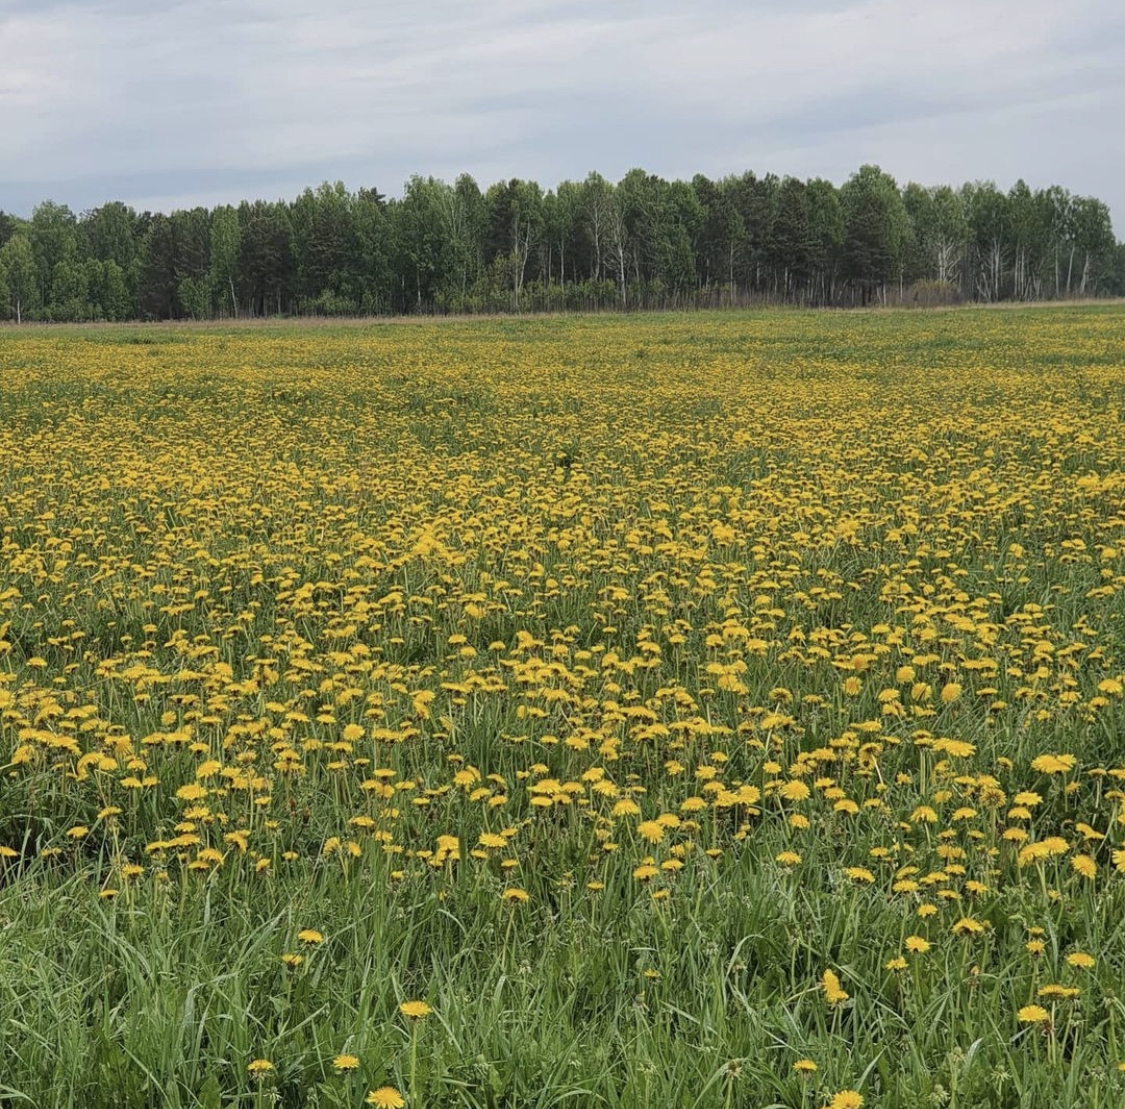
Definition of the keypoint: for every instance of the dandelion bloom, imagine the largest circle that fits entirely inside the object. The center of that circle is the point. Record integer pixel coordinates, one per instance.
(344, 1063)
(1054, 990)
(1053, 764)
(310, 936)
(260, 1066)
(515, 894)
(385, 1097)
(916, 945)
(834, 993)
(955, 748)
(1085, 866)
(415, 1010)
(804, 1066)
(1080, 959)
(1033, 1014)
(846, 1099)
(966, 926)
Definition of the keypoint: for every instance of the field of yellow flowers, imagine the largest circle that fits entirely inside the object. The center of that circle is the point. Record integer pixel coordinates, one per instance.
(684, 711)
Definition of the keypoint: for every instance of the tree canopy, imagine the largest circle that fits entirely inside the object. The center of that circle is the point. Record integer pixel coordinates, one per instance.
(644, 242)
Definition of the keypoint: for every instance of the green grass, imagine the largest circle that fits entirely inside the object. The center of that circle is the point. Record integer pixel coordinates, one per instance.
(227, 545)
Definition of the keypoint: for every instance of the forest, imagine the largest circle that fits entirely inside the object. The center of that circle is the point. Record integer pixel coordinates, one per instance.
(642, 243)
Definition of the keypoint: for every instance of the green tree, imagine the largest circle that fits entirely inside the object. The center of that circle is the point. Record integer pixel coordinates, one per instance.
(157, 291)
(827, 234)
(69, 293)
(194, 296)
(597, 210)
(1094, 242)
(791, 244)
(1027, 235)
(18, 260)
(325, 248)
(419, 244)
(1115, 285)
(53, 232)
(372, 245)
(938, 242)
(720, 235)
(875, 231)
(110, 233)
(515, 228)
(226, 237)
(986, 211)
(463, 214)
(266, 264)
(562, 217)
(107, 295)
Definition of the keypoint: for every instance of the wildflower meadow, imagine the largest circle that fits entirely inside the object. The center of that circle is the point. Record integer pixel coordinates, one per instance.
(702, 710)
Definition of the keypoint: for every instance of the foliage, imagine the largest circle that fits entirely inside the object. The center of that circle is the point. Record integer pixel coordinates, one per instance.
(689, 710)
(643, 243)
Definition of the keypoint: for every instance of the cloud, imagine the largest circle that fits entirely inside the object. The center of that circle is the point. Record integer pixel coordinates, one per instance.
(168, 103)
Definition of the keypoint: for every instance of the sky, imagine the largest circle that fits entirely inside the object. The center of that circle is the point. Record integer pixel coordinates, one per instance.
(170, 103)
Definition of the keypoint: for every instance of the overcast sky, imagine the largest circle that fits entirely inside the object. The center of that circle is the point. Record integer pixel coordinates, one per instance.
(170, 103)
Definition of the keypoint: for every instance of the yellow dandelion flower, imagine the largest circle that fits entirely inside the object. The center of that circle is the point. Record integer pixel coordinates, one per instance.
(967, 926)
(950, 692)
(846, 1099)
(1053, 764)
(834, 993)
(1085, 866)
(385, 1097)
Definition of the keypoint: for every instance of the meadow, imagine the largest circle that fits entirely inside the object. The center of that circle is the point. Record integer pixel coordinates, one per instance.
(718, 710)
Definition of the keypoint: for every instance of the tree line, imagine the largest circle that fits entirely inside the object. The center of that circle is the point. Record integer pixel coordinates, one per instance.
(643, 242)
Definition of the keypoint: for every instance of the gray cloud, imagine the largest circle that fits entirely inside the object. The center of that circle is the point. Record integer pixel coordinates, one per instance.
(166, 104)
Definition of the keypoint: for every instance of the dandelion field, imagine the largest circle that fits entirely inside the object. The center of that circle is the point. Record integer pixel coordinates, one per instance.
(719, 710)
